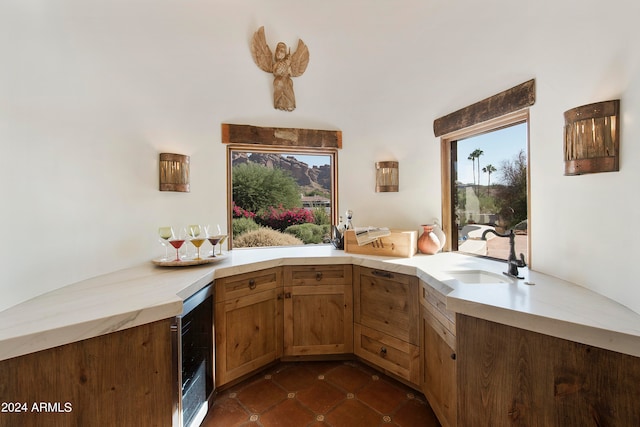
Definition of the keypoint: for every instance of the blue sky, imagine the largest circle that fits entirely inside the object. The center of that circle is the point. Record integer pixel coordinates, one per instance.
(500, 145)
(313, 160)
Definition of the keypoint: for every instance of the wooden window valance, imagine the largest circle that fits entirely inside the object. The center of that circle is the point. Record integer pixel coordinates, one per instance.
(283, 137)
(514, 99)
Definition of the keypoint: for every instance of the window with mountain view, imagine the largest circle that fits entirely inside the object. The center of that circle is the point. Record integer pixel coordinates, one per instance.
(281, 198)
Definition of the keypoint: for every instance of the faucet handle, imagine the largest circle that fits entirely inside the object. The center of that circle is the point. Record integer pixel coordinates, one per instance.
(521, 262)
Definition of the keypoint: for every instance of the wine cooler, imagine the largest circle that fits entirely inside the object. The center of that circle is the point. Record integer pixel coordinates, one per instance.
(193, 350)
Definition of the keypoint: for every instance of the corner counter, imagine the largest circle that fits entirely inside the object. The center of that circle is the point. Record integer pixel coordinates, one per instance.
(146, 293)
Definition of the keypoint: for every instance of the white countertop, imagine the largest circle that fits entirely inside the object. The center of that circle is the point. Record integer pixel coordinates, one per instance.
(147, 293)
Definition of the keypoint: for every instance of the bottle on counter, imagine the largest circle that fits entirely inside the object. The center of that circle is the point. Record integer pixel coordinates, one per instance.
(349, 214)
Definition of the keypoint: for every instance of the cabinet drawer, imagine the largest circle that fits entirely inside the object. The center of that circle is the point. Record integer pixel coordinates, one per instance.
(383, 274)
(246, 284)
(389, 353)
(435, 304)
(318, 275)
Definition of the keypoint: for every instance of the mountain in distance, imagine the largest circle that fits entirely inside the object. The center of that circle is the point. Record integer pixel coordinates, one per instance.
(308, 178)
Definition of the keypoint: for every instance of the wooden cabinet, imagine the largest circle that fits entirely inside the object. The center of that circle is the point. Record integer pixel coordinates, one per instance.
(123, 378)
(258, 320)
(509, 376)
(386, 330)
(248, 323)
(318, 310)
(438, 350)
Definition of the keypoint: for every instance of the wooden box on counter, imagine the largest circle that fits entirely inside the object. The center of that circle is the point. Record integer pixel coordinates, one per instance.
(401, 243)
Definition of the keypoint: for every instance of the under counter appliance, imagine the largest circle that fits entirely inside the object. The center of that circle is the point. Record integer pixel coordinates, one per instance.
(193, 357)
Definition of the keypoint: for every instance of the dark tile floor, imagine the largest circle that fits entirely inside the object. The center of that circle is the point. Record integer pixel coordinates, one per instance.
(310, 394)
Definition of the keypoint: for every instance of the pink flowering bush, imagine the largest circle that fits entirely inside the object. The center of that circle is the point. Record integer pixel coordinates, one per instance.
(280, 218)
(239, 212)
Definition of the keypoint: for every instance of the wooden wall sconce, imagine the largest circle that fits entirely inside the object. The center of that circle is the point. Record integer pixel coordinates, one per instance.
(592, 138)
(387, 177)
(174, 172)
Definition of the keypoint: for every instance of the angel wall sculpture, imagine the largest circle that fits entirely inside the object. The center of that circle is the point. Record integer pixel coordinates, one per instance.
(283, 65)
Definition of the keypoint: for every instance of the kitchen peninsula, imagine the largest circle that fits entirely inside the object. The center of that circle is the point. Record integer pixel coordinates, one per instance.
(146, 296)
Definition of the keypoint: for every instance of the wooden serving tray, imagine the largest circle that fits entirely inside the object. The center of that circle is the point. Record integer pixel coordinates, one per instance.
(187, 262)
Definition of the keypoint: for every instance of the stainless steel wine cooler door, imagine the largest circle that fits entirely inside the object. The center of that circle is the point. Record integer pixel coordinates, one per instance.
(193, 354)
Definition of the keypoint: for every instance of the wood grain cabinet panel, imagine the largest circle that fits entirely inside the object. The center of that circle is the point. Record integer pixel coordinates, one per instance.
(509, 376)
(438, 355)
(318, 310)
(438, 368)
(386, 316)
(387, 302)
(248, 318)
(390, 354)
(316, 275)
(240, 285)
(118, 379)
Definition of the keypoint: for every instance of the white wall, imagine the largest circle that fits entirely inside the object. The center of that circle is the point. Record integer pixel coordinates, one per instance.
(92, 90)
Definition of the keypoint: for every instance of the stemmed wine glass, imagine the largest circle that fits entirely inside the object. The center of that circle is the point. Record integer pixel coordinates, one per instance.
(195, 238)
(165, 235)
(177, 240)
(213, 239)
(223, 237)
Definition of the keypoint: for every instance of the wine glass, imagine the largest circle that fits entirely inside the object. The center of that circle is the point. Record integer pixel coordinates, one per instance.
(177, 240)
(213, 239)
(165, 235)
(196, 240)
(223, 237)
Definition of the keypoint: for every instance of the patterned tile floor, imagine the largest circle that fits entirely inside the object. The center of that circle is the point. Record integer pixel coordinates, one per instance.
(310, 394)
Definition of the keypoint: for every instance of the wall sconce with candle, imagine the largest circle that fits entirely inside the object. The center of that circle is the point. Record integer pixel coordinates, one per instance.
(174, 172)
(387, 177)
(592, 138)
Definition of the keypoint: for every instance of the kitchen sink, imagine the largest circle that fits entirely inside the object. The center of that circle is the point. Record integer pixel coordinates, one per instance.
(479, 276)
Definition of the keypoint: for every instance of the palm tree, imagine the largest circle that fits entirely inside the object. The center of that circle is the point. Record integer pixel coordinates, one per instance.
(489, 169)
(475, 154)
(472, 157)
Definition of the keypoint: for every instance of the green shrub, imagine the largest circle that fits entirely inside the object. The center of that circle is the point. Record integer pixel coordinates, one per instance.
(320, 216)
(243, 225)
(257, 187)
(326, 233)
(308, 233)
(265, 237)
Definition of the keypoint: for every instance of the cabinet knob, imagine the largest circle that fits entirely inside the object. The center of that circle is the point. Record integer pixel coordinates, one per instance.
(453, 356)
(383, 351)
(252, 284)
(287, 295)
(319, 275)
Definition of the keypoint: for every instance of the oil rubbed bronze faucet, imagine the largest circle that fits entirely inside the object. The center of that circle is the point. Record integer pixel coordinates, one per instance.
(513, 263)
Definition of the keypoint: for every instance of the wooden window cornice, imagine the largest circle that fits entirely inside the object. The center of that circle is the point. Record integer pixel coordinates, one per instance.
(514, 99)
(282, 137)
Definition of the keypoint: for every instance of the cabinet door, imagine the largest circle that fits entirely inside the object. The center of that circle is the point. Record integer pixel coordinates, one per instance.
(438, 368)
(318, 310)
(388, 353)
(387, 302)
(123, 378)
(248, 334)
